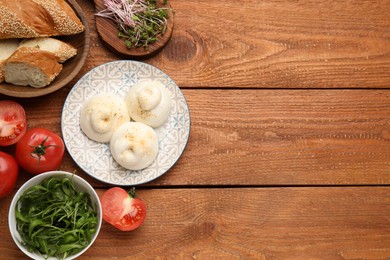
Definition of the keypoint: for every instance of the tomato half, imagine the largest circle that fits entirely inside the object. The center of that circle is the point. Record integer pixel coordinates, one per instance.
(9, 170)
(40, 150)
(13, 123)
(122, 210)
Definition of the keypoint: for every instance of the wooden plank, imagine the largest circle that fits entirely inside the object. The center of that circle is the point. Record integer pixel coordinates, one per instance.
(269, 137)
(271, 44)
(285, 137)
(252, 223)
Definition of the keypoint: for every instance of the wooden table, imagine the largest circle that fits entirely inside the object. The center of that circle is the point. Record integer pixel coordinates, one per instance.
(289, 151)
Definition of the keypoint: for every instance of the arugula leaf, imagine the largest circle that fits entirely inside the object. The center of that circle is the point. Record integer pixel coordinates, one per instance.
(54, 219)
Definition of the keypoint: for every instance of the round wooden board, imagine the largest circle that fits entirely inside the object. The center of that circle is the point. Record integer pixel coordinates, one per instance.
(70, 68)
(108, 31)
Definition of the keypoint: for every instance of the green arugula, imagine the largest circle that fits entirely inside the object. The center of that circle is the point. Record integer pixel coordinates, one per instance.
(54, 219)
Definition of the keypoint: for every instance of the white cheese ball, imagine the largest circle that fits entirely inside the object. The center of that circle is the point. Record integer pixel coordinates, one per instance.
(134, 145)
(101, 115)
(149, 102)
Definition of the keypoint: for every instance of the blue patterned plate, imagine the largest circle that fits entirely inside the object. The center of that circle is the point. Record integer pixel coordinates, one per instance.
(95, 158)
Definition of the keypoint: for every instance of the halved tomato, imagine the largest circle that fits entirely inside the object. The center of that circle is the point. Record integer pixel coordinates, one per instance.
(122, 209)
(13, 123)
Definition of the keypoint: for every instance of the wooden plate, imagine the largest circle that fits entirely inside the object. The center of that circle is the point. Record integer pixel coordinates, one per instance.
(70, 68)
(109, 33)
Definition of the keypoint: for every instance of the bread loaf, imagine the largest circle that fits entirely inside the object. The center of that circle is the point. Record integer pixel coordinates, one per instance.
(59, 48)
(7, 47)
(37, 18)
(31, 66)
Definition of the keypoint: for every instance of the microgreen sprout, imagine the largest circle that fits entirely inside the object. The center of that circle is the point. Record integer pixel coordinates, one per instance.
(139, 21)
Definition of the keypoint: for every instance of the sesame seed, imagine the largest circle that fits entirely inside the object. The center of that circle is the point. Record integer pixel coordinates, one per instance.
(63, 22)
(12, 26)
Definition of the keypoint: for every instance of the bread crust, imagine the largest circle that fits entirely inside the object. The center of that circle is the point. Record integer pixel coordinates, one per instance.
(37, 18)
(59, 48)
(7, 47)
(31, 58)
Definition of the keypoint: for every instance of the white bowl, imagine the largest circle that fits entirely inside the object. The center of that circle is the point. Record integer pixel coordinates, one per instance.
(80, 185)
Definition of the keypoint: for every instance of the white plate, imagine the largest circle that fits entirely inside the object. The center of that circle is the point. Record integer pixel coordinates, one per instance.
(95, 158)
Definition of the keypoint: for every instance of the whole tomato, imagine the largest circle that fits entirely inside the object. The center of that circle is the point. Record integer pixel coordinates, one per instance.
(40, 150)
(8, 173)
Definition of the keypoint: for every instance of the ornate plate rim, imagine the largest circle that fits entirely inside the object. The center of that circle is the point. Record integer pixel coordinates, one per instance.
(85, 77)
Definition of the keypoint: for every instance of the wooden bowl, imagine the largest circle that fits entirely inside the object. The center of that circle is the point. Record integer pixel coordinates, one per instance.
(70, 68)
(108, 31)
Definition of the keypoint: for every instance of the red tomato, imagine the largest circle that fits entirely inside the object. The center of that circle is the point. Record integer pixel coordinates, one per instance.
(40, 150)
(122, 210)
(13, 123)
(8, 173)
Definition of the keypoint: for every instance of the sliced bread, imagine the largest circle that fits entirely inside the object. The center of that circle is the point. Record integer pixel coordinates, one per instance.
(31, 67)
(7, 47)
(61, 49)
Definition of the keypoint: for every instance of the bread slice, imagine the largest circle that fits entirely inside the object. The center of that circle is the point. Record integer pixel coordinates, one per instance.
(37, 18)
(7, 47)
(59, 48)
(31, 67)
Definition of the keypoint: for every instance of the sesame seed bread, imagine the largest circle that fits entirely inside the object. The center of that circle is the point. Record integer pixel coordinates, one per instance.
(37, 18)
(59, 48)
(31, 67)
(7, 47)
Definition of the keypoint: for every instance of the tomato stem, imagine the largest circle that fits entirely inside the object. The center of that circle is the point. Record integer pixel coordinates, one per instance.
(40, 149)
(131, 192)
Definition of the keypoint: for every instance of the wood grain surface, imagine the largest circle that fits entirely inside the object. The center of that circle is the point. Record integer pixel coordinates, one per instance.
(289, 150)
(280, 44)
(248, 223)
(270, 137)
